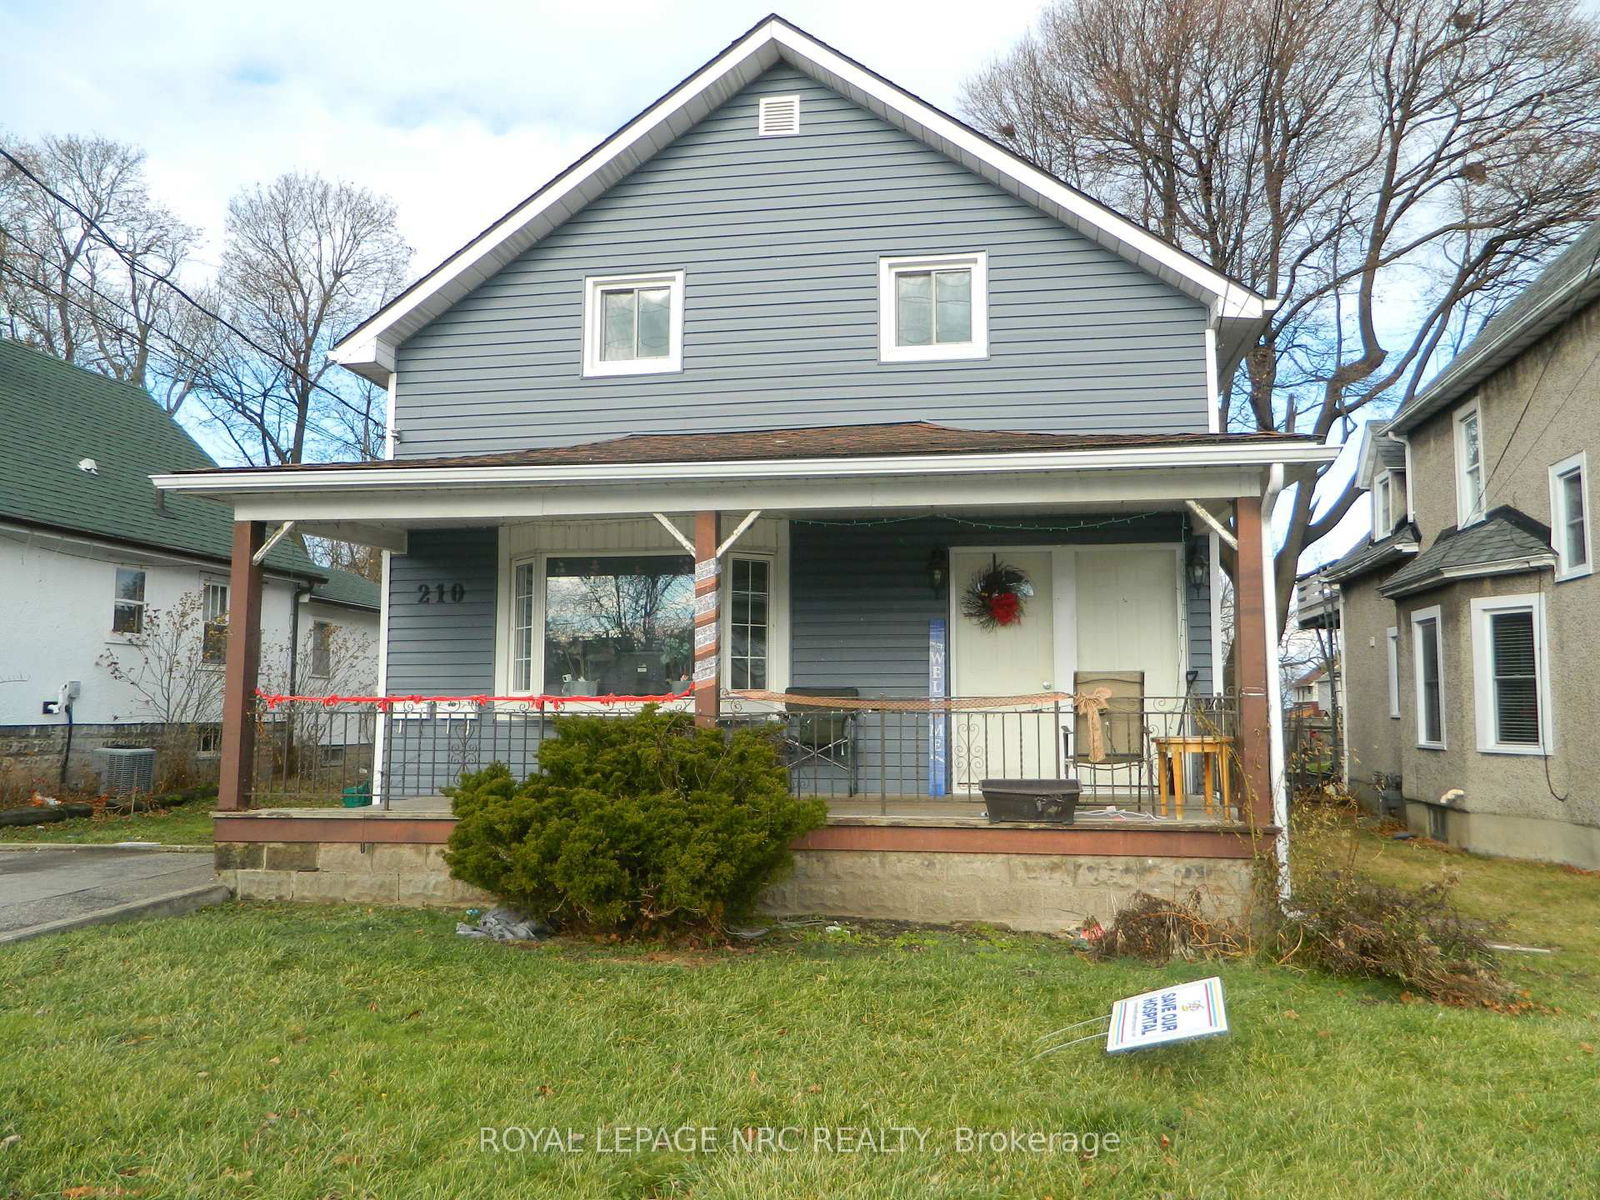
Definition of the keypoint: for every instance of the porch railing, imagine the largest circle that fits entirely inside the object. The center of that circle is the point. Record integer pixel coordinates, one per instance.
(872, 756)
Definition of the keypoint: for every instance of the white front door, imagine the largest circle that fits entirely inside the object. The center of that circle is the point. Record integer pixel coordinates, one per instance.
(1018, 741)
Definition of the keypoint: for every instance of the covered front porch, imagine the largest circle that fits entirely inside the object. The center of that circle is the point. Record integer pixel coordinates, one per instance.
(834, 588)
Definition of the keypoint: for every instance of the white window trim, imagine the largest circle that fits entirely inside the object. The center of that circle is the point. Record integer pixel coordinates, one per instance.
(1417, 618)
(1483, 671)
(1558, 517)
(207, 582)
(113, 636)
(593, 365)
(1392, 653)
(1382, 505)
(311, 649)
(978, 347)
(1465, 515)
(778, 648)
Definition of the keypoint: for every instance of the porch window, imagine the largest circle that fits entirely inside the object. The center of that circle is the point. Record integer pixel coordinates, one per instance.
(933, 308)
(633, 324)
(613, 625)
(1569, 517)
(1509, 674)
(1429, 678)
(214, 612)
(127, 609)
(750, 622)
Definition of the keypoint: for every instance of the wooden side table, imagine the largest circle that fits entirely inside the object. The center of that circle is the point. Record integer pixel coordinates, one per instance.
(1171, 784)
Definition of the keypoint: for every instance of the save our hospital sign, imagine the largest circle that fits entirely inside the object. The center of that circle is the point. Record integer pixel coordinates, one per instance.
(1170, 1014)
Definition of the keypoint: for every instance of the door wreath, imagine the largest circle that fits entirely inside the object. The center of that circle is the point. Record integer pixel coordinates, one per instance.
(997, 596)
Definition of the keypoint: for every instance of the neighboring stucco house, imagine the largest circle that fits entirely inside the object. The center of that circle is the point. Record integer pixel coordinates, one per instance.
(1471, 615)
(95, 563)
(798, 384)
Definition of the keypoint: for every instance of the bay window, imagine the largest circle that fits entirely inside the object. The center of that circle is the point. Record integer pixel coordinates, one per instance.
(1428, 678)
(1511, 675)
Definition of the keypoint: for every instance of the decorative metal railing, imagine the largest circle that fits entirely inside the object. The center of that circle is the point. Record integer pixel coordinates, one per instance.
(876, 752)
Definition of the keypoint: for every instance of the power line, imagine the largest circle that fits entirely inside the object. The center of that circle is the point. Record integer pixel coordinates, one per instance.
(135, 265)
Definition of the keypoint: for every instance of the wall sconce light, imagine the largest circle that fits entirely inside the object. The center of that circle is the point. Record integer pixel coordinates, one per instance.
(938, 568)
(1199, 568)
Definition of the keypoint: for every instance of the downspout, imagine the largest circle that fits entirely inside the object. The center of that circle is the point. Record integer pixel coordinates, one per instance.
(1280, 795)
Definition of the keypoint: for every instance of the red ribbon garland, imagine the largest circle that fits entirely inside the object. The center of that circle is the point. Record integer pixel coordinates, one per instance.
(273, 700)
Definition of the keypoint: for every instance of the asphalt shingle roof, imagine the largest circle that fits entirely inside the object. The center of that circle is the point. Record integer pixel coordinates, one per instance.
(346, 587)
(1505, 535)
(1566, 285)
(1371, 555)
(54, 415)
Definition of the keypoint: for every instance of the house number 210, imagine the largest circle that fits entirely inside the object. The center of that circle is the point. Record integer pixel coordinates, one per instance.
(440, 593)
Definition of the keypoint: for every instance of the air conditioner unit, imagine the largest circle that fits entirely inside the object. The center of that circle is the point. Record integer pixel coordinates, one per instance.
(126, 769)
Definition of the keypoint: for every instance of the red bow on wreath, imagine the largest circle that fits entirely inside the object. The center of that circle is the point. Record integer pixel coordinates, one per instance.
(996, 597)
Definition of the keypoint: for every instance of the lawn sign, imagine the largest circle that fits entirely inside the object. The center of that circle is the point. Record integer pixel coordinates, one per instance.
(1179, 1013)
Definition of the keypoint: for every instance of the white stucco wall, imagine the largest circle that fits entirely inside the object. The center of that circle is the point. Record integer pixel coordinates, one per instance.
(56, 600)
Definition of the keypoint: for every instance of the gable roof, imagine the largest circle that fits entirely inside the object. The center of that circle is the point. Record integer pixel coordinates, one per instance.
(370, 349)
(1506, 542)
(54, 415)
(1564, 288)
(1377, 452)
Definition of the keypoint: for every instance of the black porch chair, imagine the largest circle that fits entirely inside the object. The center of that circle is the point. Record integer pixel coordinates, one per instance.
(822, 738)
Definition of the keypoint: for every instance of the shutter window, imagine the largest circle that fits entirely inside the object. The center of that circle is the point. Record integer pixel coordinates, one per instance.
(1516, 677)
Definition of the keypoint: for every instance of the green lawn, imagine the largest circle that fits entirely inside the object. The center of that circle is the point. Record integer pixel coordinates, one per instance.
(189, 825)
(262, 1051)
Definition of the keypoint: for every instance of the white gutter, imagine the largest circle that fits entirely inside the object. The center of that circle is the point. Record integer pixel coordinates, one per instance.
(881, 466)
(1280, 791)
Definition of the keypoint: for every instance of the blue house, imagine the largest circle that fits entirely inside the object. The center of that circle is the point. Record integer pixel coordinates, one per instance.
(797, 401)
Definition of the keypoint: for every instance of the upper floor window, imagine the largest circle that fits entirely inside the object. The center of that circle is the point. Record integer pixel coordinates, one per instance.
(127, 609)
(214, 614)
(1569, 516)
(933, 307)
(1469, 467)
(633, 324)
(1509, 673)
(1383, 496)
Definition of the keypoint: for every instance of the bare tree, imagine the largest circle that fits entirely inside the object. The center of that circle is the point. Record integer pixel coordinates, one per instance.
(81, 279)
(305, 259)
(1391, 172)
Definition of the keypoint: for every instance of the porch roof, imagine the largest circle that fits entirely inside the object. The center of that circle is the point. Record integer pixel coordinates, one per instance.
(907, 466)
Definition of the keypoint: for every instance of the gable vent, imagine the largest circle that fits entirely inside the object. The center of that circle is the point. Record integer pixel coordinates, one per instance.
(777, 116)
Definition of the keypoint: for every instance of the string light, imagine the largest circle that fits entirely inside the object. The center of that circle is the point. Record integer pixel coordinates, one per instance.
(1008, 527)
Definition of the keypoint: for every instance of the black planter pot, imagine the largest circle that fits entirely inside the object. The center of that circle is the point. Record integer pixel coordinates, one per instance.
(1031, 799)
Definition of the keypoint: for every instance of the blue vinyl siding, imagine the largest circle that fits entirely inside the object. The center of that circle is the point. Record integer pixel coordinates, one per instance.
(780, 240)
(860, 606)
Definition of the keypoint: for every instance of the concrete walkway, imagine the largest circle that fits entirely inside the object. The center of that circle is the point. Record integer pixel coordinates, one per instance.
(49, 891)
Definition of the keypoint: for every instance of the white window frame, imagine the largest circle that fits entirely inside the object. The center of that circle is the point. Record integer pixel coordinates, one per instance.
(311, 649)
(1483, 608)
(1382, 505)
(596, 367)
(1466, 514)
(1392, 654)
(142, 603)
(207, 586)
(1418, 619)
(506, 653)
(888, 308)
(1579, 464)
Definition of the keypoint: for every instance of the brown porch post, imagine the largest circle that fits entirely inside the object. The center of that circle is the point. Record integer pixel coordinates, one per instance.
(707, 619)
(1250, 638)
(243, 665)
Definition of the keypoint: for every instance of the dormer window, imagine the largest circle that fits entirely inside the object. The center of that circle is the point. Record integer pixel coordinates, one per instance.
(1383, 493)
(933, 308)
(633, 324)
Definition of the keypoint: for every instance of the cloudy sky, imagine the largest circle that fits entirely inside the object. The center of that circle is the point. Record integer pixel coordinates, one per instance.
(456, 110)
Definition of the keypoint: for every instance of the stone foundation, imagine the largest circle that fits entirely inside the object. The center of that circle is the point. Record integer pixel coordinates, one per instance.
(1035, 892)
(405, 875)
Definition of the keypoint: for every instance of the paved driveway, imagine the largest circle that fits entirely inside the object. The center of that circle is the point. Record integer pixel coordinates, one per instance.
(45, 890)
